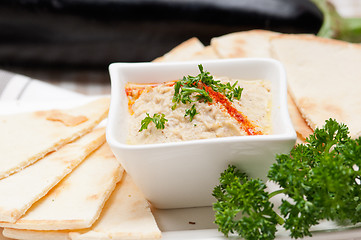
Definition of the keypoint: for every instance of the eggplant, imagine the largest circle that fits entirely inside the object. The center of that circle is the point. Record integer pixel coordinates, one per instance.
(94, 33)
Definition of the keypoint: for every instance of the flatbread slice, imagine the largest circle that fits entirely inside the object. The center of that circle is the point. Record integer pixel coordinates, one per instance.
(182, 52)
(76, 202)
(323, 78)
(207, 53)
(20, 190)
(126, 215)
(27, 137)
(253, 43)
(3, 237)
(301, 127)
(11, 233)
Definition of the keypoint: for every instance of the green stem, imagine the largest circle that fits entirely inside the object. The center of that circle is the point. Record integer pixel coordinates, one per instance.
(280, 220)
(330, 19)
(337, 27)
(351, 30)
(272, 194)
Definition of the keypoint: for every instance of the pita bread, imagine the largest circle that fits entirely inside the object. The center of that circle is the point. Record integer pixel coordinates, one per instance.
(27, 137)
(77, 200)
(182, 52)
(11, 233)
(253, 43)
(323, 78)
(207, 53)
(299, 123)
(22, 189)
(126, 215)
(1, 235)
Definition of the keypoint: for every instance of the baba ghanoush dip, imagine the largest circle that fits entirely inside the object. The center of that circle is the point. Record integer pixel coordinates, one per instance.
(199, 107)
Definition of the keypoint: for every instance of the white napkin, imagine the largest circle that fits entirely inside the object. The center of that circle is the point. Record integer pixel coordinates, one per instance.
(16, 87)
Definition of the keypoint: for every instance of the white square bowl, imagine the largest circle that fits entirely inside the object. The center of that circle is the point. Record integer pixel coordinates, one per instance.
(183, 174)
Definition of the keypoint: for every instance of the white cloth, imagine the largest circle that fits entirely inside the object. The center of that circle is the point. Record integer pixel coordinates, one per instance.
(16, 87)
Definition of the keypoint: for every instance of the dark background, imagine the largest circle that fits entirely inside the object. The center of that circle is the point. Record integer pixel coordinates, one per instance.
(39, 37)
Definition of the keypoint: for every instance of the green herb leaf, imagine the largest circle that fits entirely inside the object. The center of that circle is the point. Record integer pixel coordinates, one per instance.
(237, 92)
(191, 112)
(158, 119)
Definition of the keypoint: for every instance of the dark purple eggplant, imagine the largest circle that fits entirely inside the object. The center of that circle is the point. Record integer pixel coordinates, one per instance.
(90, 33)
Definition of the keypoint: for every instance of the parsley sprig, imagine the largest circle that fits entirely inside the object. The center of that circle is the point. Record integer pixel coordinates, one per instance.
(320, 178)
(189, 89)
(158, 119)
(230, 91)
(238, 194)
(191, 112)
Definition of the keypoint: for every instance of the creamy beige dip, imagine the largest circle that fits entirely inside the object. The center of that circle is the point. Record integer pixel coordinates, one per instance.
(213, 121)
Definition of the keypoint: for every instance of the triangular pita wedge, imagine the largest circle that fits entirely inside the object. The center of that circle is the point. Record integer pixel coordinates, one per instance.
(253, 43)
(27, 137)
(182, 52)
(323, 78)
(207, 53)
(77, 200)
(299, 123)
(2, 237)
(20, 190)
(11, 233)
(126, 215)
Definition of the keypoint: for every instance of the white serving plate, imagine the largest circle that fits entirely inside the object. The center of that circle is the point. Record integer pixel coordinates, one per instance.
(185, 223)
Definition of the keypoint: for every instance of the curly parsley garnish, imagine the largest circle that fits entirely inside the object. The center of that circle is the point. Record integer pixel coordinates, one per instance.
(184, 88)
(238, 194)
(322, 180)
(158, 119)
